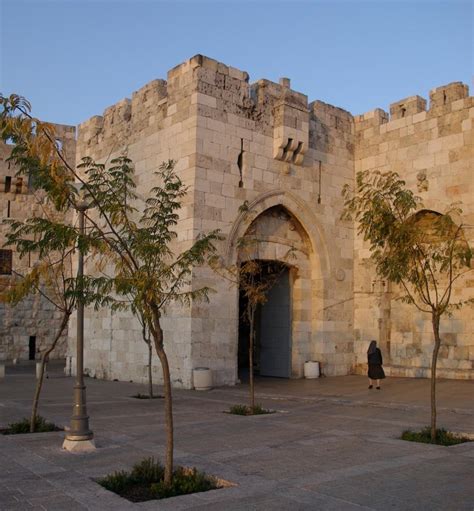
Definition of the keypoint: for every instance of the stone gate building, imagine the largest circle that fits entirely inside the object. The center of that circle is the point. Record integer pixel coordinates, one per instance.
(263, 144)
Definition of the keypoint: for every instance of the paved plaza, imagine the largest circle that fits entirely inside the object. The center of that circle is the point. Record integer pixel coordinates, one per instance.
(332, 445)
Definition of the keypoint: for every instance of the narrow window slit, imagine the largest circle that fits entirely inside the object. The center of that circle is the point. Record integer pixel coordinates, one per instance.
(240, 163)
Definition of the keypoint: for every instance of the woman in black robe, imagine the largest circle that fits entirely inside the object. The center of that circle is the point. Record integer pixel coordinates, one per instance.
(374, 360)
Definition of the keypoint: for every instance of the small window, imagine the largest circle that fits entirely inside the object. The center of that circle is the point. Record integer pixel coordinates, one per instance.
(32, 347)
(5, 262)
(8, 184)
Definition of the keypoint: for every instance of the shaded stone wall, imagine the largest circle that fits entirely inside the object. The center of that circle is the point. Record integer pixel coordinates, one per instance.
(34, 316)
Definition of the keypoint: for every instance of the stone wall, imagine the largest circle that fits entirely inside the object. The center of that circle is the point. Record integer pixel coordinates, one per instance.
(262, 144)
(259, 144)
(154, 126)
(433, 150)
(34, 316)
(234, 142)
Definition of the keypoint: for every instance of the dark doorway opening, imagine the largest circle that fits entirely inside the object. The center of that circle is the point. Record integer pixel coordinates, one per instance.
(272, 347)
(32, 347)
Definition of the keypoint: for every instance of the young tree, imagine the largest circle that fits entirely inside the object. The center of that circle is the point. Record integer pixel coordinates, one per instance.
(41, 237)
(147, 340)
(145, 267)
(425, 259)
(135, 234)
(48, 280)
(53, 278)
(254, 278)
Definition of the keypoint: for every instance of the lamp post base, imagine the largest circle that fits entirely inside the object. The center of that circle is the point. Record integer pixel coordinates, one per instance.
(79, 446)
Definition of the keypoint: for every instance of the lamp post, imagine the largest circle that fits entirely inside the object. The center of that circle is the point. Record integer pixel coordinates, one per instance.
(79, 438)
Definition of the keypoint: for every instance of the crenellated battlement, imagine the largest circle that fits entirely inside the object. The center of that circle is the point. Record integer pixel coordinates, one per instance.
(444, 99)
(202, 92)
(204, 87)
(408, 106)
(160, 99)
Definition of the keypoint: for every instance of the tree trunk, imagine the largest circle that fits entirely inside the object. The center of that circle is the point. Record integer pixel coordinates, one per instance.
(147, 339)
(251, 343)
(150, 372)
(158, 338)
(435, 321)
(39, 381)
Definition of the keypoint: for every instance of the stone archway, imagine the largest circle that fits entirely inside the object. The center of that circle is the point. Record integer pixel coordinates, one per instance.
(298, 209)
(278, 234)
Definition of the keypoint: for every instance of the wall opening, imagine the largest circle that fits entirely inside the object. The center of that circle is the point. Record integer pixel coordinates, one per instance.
(272, 342)
(32, 348)
(8, 184)
(6, 260)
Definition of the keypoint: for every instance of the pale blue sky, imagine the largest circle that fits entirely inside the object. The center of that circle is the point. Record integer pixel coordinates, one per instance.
(73, 58)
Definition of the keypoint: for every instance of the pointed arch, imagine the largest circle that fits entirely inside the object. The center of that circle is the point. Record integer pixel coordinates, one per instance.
(295, 207)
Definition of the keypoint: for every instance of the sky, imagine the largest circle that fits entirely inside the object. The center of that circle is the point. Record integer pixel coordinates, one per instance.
(74, 58)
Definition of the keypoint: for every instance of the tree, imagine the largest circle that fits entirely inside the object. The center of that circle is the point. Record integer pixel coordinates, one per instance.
(145, 267)
(147, 340)
(44, 279)
(52, 244)
(426, 259)
(254, 278)
(52, 277)
(134, 234)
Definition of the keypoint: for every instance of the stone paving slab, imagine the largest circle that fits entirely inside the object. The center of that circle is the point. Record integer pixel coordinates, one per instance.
(332, 445)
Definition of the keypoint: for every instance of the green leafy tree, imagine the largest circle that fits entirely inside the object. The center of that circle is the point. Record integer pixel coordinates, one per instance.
(139, 248)
(134, 234)
(426, 259)
(41, 280)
